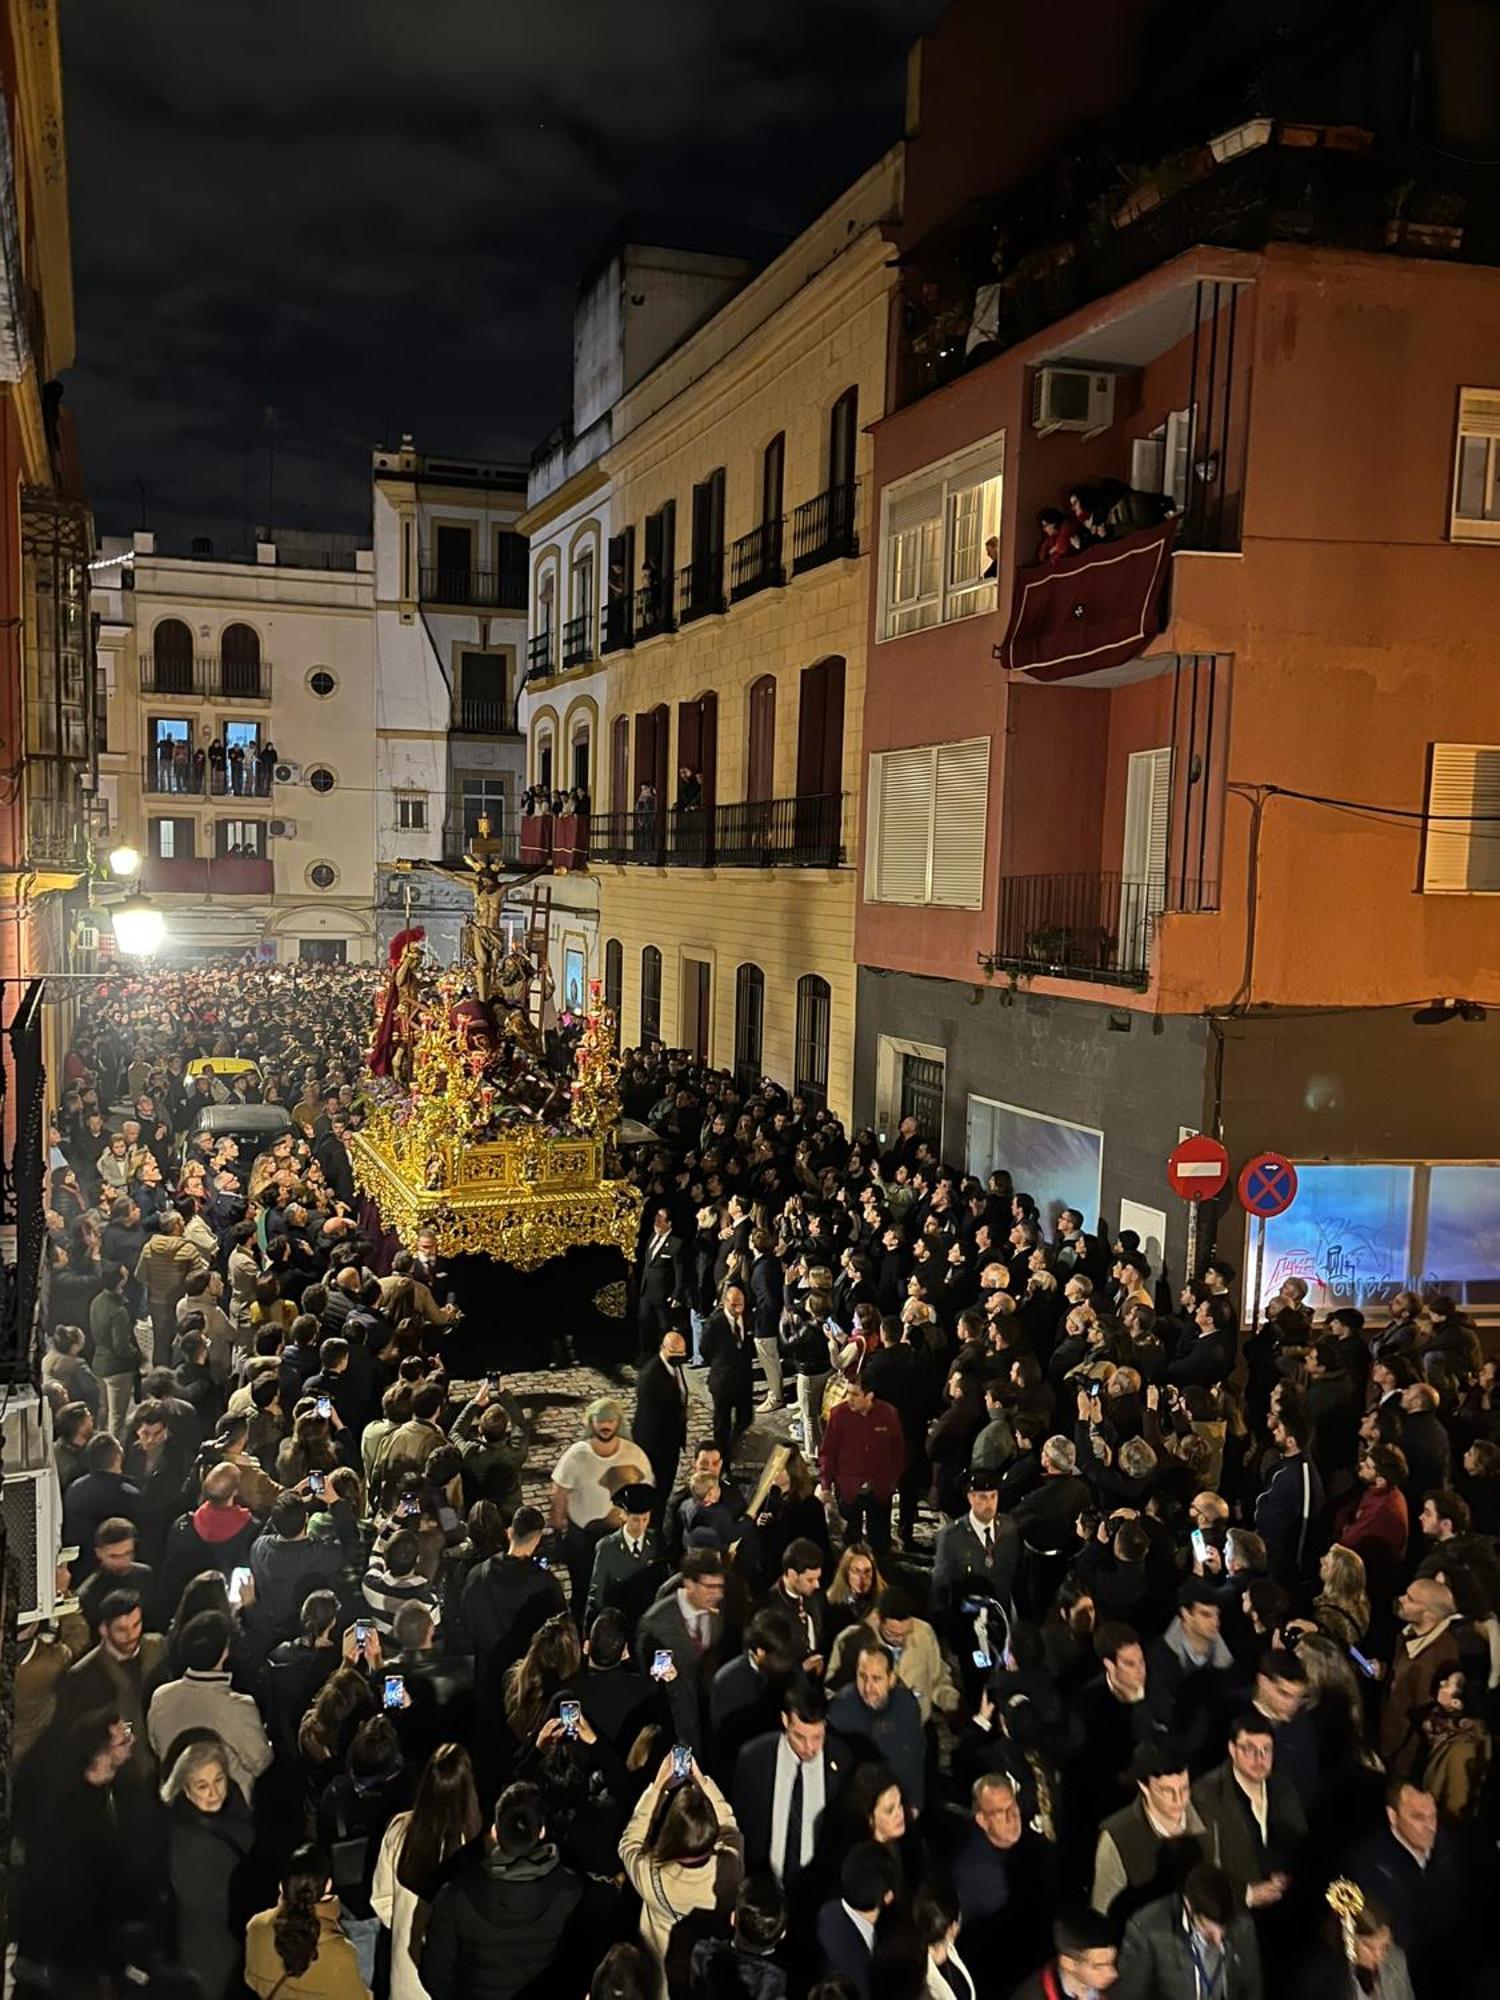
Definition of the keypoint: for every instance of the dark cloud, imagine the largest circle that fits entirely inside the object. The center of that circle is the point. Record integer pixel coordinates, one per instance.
(369, 215)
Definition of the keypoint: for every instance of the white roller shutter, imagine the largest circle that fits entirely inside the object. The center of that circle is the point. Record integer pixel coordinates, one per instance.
(901, 826)
(961, 795)
(1461, 855)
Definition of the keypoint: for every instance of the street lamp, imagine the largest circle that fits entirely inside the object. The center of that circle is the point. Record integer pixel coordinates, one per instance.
(140, 928)
(124, 861)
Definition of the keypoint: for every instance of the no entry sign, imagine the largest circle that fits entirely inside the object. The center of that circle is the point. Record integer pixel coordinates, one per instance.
(1197, 1168)
(1267, 1185)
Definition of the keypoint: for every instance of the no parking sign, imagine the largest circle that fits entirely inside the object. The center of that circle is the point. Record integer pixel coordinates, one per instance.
(1267, 1185)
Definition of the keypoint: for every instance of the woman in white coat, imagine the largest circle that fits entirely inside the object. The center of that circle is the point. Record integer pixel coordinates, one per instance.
(419, 1848)
(935, 1914)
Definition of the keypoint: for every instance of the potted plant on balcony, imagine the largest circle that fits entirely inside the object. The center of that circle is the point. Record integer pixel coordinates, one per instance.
(1429, 223)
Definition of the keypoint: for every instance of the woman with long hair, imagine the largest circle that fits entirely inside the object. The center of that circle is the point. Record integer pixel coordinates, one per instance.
(857, 1584)
(210, 1831)
(1458, 1748)
(297, 1951)
(1342, 1605)
(551, 1662)
(682, 1851)
(418, 1849)
(342, 1703)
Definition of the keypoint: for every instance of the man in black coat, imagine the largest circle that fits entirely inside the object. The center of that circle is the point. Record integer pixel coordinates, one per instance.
(661, 1412)
(659, 1279)
(731, 1370)
(979, 1553)
(771, 1764)
(505, 1602)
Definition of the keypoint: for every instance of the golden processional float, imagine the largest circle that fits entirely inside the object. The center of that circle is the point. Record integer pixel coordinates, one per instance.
(491, 1122)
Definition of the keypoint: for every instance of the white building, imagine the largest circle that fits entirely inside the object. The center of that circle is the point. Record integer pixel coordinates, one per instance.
(450, 642)
(240, 756)
(635, 303)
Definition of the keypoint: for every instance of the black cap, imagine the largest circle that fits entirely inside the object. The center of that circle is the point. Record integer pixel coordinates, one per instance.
(983, 1480)
(638, 1499)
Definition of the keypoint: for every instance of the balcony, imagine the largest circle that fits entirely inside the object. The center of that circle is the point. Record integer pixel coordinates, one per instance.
(1098, 928)
(755, 561)
(541, 655)
(554, 840)
(54, 824)
(654, 609)
(192, 875)
(824, 529)
(619, 623)
(758, 833)
(578, 641)
(166, 777)
(700, 587)
(206, 677)
(475, 715)
(1092, 612)
(475, 589)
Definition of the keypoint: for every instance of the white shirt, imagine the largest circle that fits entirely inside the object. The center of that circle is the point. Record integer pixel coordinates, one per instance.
(1258, 1801)
(862, 1924)
(788, 1764)
(582, 1473)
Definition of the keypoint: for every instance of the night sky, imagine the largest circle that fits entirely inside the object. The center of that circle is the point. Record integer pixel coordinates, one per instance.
(369, 215)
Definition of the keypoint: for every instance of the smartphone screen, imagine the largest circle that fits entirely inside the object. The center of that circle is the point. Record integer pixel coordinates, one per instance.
(569, 1712)
(316, 1484)
(1200, 1545)
(682, 1762)
(325, 1406)
(361, 1634)
(982, 1659)
(661, 1666)
(1366, 1667)
(395, 1690)
(238, 1578)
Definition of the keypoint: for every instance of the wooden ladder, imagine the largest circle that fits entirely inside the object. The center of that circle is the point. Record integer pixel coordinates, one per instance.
(538, 937)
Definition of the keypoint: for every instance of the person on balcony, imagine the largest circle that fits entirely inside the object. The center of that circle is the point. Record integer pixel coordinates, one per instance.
(200, 759)
(218, 764)
(991, 559)
(265, 766)
(237, 769)
(689, 790)
(1059, 535)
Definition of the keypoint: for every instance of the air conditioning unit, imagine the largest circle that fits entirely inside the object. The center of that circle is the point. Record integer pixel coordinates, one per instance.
(288, 774)
(282, 829)
(32, 1507)
(1072, 399)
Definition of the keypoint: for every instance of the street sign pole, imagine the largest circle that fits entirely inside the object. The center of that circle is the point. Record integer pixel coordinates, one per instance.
(1192, 1243)
(1260, 1265)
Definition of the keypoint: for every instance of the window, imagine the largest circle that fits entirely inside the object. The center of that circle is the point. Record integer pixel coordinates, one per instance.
(1476, 470)
(321, 778)
(926, 829)
(1148, 818)
(453, 559)
(814, 1005)
(1461, 853)
(322, 875)
(511, 557)
(580, 745)
(321, 682)
(483, 799)
(614, 980)
(411, 812)
(172, 657)
(749, 1025)
(582, 580)
(240, 839)
(172, 839)
(239, 656)
(940, 541)
(650, 994)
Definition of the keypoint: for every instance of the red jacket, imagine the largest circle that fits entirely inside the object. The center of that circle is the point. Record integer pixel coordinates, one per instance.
(1379, 1522)
(860, 1452)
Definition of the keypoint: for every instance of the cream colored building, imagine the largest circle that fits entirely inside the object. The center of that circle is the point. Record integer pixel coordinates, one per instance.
(735, 629)
(204, 653)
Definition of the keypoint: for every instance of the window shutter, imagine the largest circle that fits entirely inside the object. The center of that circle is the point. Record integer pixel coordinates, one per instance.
(1148, 816)
(960, 805)
(901, 806)
(1176, 470)
(1462, 857)
(1479, 412)
(1148, 464)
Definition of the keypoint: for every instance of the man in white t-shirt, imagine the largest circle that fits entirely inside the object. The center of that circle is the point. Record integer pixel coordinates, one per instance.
(585, 1481)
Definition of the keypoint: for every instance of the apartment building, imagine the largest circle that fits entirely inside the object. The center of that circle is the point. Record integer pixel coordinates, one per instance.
(450, 636)
(1197, 836)
(734, 643)
(239, 759)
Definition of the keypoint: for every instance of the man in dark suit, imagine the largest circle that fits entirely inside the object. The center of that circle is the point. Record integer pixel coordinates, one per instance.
(505, 1602)
(978, 1554)
(688, 1624)
(868, 1881)
(744, 1699)
(764, 1793)
(767, 1293)
(658, 1279)
(731, 1364)
(661, 1412)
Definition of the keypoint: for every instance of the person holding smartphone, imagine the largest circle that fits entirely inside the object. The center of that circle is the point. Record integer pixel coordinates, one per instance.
(682, 1850)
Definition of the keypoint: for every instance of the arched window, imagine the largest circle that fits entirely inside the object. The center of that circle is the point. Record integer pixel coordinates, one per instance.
(620, 796)
(749, 1025)
(172, 658)
(650, 995)
(239, 661)
(813, 1008)
(760, 761)
(614, 979)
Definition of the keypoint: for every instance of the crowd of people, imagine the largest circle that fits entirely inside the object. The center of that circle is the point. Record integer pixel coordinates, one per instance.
(946, 1607)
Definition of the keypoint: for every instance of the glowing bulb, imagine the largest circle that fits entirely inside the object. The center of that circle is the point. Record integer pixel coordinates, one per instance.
(140, 928)
(124, 861)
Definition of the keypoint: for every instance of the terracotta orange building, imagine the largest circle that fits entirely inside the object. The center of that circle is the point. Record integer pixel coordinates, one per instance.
(1199, 828)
